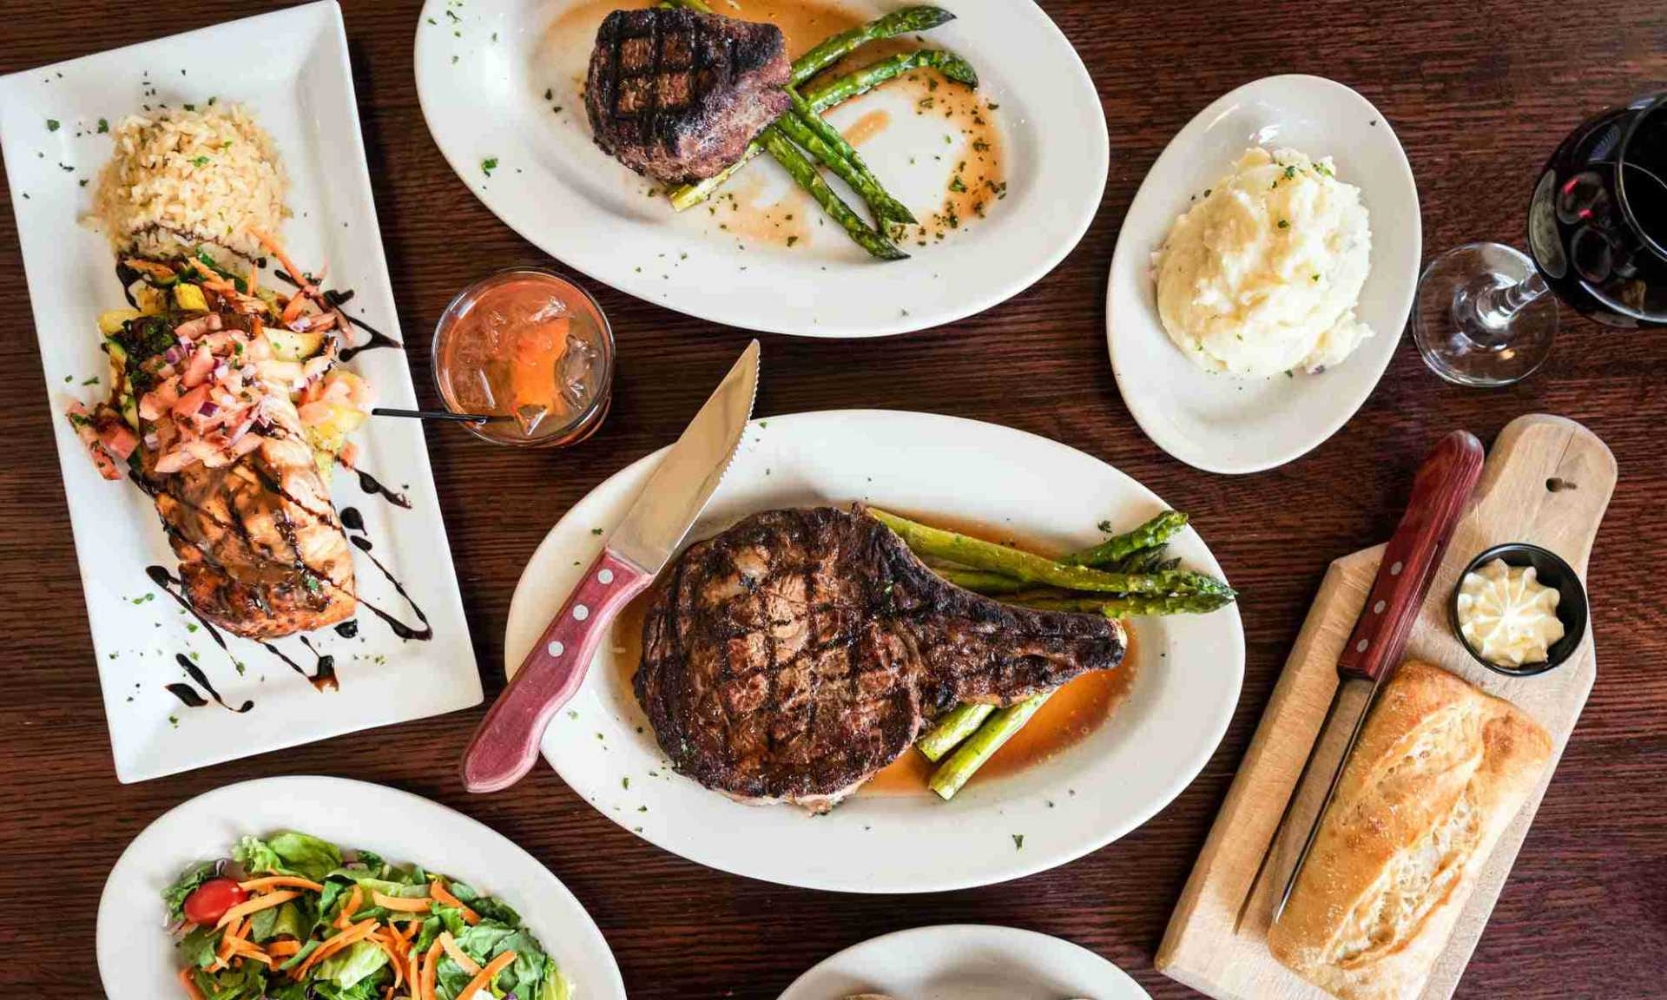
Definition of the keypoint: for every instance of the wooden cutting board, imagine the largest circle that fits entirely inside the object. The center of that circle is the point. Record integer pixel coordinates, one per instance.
(1547, 481)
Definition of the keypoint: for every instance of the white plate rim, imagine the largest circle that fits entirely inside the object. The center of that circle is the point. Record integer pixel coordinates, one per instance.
(1186, 771)
(976, 301)
(114, 955)
(922, 939)
(1142, 406)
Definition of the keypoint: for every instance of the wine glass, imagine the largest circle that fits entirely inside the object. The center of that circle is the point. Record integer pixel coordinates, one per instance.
(1597, 229)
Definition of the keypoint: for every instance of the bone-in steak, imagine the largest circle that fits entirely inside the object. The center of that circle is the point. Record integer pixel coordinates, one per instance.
(794, 655)
(677, 94)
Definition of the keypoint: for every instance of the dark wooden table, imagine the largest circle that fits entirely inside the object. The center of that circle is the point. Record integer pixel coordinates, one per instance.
(1479, 93)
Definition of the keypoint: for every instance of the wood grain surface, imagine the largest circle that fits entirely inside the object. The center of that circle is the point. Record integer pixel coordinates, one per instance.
(1479, 93)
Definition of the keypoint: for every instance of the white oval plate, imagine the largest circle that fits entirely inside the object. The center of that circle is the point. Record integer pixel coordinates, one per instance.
(1222, 424)
(966, 962)
(484, 67)
(1189, 667)
(136, 956)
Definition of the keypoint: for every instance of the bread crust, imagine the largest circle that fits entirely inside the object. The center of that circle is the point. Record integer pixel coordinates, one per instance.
(1439, 772)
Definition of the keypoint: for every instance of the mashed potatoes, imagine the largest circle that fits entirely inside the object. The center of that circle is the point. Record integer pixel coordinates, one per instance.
(1261, 276)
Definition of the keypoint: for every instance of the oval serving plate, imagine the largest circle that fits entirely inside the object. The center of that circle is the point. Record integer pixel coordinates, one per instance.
(1187, 684)
(966, 962)
(1222, 424)
(136, 956)
(491, 74)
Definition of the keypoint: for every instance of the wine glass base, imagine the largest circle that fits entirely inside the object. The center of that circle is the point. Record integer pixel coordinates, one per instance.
(1474, 347)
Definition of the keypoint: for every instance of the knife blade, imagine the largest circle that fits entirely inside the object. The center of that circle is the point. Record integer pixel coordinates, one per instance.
(1441, 490)
(505, 745)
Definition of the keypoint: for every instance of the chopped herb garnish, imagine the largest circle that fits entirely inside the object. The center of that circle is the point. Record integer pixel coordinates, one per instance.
(488, 165)
(52, 125)
(1018, 841)
(103, 126)
(1284, 224)
(956, 184)
(201, 161)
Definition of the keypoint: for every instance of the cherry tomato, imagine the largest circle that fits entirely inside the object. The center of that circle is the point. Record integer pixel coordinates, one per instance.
(209, 901)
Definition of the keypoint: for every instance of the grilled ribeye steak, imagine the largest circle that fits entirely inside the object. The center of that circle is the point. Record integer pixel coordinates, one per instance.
(677, 94)
(796, 654)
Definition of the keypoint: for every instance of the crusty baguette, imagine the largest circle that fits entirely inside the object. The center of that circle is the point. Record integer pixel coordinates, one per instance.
(1439, 772)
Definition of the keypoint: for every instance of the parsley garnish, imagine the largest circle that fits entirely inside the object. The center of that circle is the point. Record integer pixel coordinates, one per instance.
(488, 165)
(52, 125)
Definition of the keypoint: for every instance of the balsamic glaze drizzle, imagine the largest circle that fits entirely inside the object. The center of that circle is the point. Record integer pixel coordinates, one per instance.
(398, 627)
(370, 484)
(189, 695)
(335, 299)
(325, 674)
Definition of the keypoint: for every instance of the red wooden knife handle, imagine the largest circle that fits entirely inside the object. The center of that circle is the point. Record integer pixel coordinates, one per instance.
(505, 746)
(1440, 492)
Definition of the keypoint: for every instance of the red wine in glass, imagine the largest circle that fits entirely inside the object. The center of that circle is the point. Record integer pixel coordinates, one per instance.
(1597, 226)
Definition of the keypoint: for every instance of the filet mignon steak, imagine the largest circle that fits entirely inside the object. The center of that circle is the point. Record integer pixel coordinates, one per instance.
(796, 654)
(677, 94)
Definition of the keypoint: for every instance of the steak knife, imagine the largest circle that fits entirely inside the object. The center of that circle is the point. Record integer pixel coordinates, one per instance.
(505, 745)
(1440, 491)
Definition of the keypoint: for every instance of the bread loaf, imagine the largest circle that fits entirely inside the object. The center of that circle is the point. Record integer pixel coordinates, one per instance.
(1438, 774)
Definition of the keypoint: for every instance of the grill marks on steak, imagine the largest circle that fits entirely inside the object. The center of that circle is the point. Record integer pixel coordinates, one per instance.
(801, 651)
(677, 94)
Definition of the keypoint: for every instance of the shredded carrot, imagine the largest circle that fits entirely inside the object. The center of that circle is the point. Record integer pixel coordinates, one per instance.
(283, 949)
(188, 980)
(393, 957)
(280, 882)
(275, 249)
(401, 904)
(255, 905)
(485, 977)
(357, 932)
(440, 892)
(431, 970)
(244, 949)
(354, 898)
(457, 954)
(292, 308)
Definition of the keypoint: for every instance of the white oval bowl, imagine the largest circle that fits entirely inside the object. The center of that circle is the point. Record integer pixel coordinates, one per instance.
(559, 191)
(966, 962)
(136, 956)
(1189, 667)
(1222, 424)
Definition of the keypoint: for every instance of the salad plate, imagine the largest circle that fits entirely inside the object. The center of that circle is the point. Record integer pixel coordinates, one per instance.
(136, 957)
(1187, 669)
(56, 124)
(1223, 424)
(966, 962)
(500, 83)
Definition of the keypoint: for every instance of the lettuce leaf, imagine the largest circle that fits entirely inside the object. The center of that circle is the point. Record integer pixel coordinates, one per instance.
(185, 885)
(358, 961)
(309, 856)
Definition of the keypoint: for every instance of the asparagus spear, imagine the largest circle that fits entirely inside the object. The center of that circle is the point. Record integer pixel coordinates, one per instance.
(886, 208)
(952, 729)
(1126, 607)
(980, 581)
(804, 172)
(845, 169)
(906, 21)
(982, 745)
(1149, 535)
(831, 93)
(1034, 569)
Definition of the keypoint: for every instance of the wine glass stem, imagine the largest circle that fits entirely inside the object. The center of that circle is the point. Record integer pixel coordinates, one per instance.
(1494, 306)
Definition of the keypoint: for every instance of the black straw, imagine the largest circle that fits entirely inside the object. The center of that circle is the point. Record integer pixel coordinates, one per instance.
(461, 418)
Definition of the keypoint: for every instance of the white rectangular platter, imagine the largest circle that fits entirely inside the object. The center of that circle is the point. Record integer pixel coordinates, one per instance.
(291, 69)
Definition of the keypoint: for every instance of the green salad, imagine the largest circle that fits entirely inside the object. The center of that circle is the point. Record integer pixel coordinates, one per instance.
(293, 917)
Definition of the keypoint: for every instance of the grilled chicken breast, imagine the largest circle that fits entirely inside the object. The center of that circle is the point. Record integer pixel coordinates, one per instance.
(677, 94)
(799, 652)
(262, 553)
